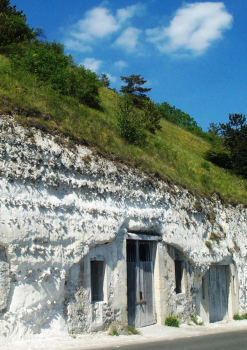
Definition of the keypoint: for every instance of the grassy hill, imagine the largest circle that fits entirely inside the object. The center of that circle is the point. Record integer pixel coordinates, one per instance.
(171, 154)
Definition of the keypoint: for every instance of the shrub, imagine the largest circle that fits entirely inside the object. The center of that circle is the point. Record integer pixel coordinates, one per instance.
(119, 328)
(52, 67)
(220, 156)
(132, 330)
(237, 317)
(152, 116)
(195, 320)
(131, 123)
(208, 244)
(205, 165)
(172, 321)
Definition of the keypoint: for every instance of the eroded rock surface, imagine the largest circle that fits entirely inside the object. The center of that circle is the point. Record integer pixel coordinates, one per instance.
(57, 204)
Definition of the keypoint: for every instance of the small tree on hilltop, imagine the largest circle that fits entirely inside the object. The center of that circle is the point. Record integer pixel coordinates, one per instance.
(131, 121)
(135, 89)
(13, 27)
(104, 80)
(235, 138)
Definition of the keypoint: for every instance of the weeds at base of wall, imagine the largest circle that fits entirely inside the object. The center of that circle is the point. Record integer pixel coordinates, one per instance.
(116, 329)
(238, 317)
(172, 321)
(196, 321)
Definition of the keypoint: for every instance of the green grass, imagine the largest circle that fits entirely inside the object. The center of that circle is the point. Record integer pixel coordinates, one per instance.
(238, 317)
(172, 154)
(172, 321)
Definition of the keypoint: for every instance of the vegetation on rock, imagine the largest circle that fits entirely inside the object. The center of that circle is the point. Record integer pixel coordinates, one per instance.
(44, 88)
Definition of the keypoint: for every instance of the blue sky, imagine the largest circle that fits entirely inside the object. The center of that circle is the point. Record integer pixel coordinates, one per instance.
(192, 54)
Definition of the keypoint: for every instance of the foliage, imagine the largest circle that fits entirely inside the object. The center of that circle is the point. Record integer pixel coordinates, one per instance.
(113, 331)
(132, 330)
(176, 116)
(104, 80)
(195, 321)
(172, 321)
(208, 244)
(152, 116)
(235, 138)
(220, 156)
(230, 150)
(47, 61)
(172, 154)
(238, 317)
(135, 89)
(13, 27)
(214, 236)
(124, 329)
(131, 122)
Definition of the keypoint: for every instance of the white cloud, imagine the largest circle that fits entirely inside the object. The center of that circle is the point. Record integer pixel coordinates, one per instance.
(76, 45)
(111, 77)
(92, 63)
(129, 39)
(193, 28)
(130, 11)
(120, 64)
(98, 23)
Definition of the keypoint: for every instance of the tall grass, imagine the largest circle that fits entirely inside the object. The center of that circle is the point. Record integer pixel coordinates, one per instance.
(171, 154)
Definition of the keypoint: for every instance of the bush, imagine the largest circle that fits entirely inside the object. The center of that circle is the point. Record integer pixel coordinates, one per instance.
(132, 330)
(121, 329)
(131, 122)
(220, 156)
(208, 244)
(237, 317)
(172, 321)
(52, 67)
(197, 320)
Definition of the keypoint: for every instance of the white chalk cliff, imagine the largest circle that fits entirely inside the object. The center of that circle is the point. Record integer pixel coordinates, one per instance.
(60, 204)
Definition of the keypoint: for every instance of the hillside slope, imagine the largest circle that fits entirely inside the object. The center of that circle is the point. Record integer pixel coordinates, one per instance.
(172, 154)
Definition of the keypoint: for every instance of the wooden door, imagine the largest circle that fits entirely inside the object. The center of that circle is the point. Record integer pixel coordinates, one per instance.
(140, 283)
(218, 296)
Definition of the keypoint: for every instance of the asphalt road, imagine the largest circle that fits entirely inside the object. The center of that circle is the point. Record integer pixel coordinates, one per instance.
(221, 341)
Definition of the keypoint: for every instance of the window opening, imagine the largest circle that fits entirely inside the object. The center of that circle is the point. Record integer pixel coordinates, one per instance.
(131, 251)
(97, 280)
(178, 275)
(145, 253)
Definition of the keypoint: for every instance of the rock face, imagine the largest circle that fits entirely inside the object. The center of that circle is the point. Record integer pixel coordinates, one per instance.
(66, 217)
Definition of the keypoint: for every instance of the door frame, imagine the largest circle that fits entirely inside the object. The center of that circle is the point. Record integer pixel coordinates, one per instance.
(135, 273)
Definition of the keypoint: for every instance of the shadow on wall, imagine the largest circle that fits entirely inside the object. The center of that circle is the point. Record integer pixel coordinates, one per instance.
(4, 279)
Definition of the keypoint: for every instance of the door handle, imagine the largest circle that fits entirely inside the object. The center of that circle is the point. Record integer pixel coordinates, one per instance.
(141, 302)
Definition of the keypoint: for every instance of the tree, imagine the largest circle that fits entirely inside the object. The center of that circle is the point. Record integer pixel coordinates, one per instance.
(235, 139)
(152, 116)
(13, 27)
(104, 80)
(131, 121)
(176, 116)
(230, 150)
(134, 88)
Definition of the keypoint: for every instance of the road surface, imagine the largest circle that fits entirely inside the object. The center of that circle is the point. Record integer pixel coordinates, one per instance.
(223, 341)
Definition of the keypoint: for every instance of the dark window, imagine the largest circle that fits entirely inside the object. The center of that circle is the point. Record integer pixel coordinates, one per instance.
(97, 280)
(131, 251)
(178, 275)
(145, 252)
